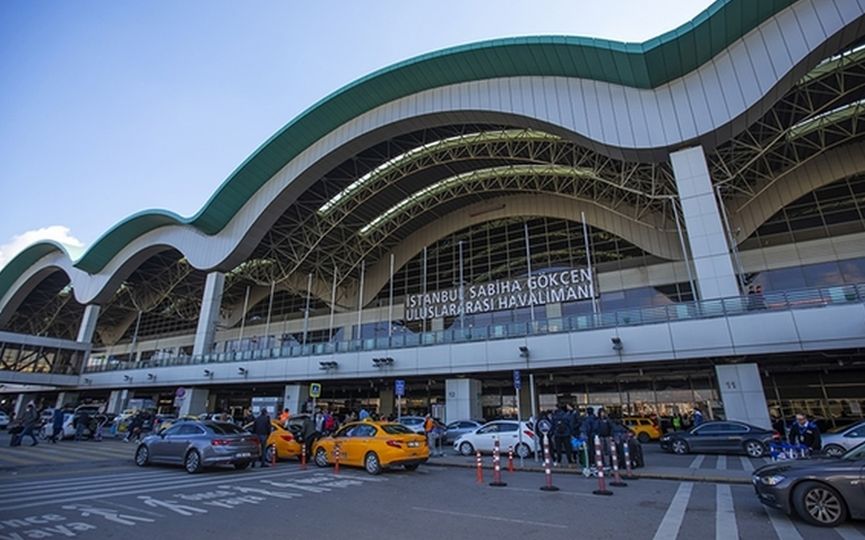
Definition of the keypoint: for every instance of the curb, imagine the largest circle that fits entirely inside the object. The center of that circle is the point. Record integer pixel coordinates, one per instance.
(695, 476)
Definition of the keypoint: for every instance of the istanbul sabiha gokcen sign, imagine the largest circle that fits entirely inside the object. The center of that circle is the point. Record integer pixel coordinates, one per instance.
(504, 294)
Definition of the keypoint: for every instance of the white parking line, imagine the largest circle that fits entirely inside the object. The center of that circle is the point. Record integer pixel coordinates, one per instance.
(672, 521)
(784, 528)
(721, 465)
(725, 514)
(847, 532)
(746, 464)
(491, 518)
(698, 462)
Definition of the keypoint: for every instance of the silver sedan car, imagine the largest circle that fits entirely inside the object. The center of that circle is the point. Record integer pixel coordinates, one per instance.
(197, 444)
(838, 441)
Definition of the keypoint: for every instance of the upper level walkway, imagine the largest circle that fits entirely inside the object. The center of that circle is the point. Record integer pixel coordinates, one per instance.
(39, 360)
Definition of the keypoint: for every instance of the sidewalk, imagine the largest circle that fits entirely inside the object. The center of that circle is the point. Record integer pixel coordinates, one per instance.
(689, 474)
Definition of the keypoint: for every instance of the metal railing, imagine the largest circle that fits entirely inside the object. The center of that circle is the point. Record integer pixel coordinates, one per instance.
(703, 309)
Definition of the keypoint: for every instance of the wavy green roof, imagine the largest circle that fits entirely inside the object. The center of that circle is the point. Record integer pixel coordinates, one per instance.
(641, 65)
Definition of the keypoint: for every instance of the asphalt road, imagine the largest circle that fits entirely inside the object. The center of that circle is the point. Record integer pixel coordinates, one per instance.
(112, 498)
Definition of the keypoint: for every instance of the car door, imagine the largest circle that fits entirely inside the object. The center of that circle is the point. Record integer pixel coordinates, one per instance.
(357, 443)
(483, 438)
(703, 438)
(177, 443)
(509, 433)
(853, 437)
(732, 437)
(342, 438)
(160, 445)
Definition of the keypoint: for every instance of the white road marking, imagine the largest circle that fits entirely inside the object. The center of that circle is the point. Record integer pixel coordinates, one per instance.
(17, 487)
(784, 528)
(29, 502)
(746, 464)
(721, 465)
(672, 521)
(697, 463)
(725, 514)
(491, 518)
(847, 532)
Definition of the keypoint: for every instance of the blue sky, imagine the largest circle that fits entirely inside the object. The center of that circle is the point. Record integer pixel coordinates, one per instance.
(108, 108)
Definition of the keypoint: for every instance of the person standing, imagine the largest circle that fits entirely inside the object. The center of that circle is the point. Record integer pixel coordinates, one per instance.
(57, 425)
(284, 416)
(561, 437)
(604, 430)
(261, 427)
(428, 428)
(697, 417)
(29, 420)
(805, 432)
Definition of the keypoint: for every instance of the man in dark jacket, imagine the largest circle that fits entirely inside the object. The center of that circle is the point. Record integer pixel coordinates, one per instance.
(588, 430)
(57, 424)
(30, 419)
(261, 427)
(561, 437)
(805, 433)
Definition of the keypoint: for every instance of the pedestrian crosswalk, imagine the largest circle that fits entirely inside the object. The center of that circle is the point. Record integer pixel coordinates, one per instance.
(64, 452)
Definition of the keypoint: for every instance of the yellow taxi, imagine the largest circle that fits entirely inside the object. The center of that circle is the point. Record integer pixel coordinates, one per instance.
(281, 440)
(374, 446)
(644, 429)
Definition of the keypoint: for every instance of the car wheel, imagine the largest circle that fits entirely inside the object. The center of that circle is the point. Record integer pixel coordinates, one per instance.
(819, 504)
(679, 447)
(142, 456)
(371, 463)
(321, 457)
(523, 450)
(192, 463)
(833, 450)
(241, 465)
(466, 448)
(754, 449)
(269, 454)
(411, 467)
(643, 437)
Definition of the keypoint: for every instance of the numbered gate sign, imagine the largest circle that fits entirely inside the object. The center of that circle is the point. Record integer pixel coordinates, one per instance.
(399, 387)
(315, 390)
(517, 381)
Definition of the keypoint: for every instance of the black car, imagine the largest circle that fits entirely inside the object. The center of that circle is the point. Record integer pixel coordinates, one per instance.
(823, 491)
(721, 436)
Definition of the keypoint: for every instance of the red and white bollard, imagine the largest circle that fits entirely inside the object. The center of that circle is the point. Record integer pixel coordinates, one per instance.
(599, 463)
(336, 459)
(273, 457)
(479, 463)
(629, 473)
(510, 459)
(497, 466)
(303, 456)
(548, 473)
(617, 479)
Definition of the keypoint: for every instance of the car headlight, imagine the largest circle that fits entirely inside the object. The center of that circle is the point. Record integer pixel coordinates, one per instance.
(771, 480)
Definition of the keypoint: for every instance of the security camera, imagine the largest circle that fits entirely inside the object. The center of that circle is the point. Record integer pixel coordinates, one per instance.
(617, 343)
(242, 371)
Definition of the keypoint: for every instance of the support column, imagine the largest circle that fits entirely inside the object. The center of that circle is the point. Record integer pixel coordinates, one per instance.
(294, 397)
(66, 398)
(194, 402)
(742, 394)
(88, 324)
(210, 301)
(462, 399)
(386, 403)
(117, 401)
(707, 238)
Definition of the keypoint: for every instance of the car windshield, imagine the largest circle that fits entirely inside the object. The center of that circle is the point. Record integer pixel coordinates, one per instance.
(396, 429)
(221, 428)
(856, 454)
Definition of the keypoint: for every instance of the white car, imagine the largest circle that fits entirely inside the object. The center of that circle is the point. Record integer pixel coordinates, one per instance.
(506, 431)
(837, 441)
(414, 423)
(4, 420)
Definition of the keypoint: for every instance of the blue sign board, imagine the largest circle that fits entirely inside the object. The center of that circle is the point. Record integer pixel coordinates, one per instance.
(517, 381)
(399, 387)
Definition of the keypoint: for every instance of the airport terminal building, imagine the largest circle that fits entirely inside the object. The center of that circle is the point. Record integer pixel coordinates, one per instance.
(645, 226)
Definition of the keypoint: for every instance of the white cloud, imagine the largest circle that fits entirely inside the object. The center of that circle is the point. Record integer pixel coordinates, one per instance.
(58, 233)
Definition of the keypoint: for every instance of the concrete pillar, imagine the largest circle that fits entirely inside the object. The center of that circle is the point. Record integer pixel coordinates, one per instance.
(294, 397)
(704, 228)
(88, 324)
(386, 403)
(462, 399)
(117, 401)
(211, 299)
(742, 394)
(525, 399)
(66, 398)
(21, 403)
(194, 402)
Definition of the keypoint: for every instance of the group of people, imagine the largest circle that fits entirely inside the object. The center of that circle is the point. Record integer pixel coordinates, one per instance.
(29, 423)
(569, 429)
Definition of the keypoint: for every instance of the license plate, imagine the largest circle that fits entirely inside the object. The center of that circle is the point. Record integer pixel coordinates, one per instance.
(243, 454)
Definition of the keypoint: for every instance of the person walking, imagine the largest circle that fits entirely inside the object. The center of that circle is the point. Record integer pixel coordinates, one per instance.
(805, 433)
(604, 430)
(429, 429)
(29, 420)
(57, 425)
(697, 417)
(133, 431)
(284, 416)
(261, 427)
